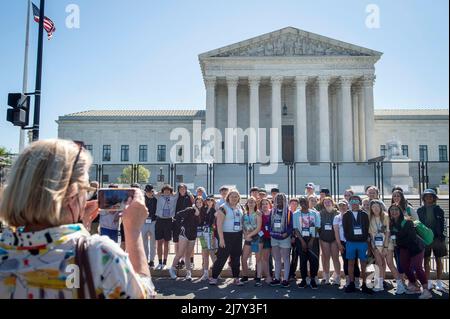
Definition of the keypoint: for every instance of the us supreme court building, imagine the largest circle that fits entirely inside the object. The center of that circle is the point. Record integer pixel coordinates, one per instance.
(317, 92)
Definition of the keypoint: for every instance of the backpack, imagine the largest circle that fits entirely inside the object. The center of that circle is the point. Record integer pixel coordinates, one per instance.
(422, 231)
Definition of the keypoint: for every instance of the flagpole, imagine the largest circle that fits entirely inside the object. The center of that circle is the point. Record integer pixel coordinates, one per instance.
(25, 70)
(37, 98)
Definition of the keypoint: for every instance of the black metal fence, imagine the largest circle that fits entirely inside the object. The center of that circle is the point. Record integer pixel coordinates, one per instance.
(290, 178)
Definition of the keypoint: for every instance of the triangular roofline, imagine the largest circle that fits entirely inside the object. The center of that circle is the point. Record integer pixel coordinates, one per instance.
(291, 30)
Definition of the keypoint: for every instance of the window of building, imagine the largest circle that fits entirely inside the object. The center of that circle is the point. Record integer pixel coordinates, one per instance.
(106, 153)
(105, 178)
(161, 153)
(423, 153)
(180, 153)
(124, 153)
(142, 153)
(443, 153)
(383, 150)
(405, 150)
(89, 148)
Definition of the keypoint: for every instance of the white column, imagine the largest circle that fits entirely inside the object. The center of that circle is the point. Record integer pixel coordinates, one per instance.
(369, 117)
(346, 119)
(301, 145)
(324, 124)
(210, 83)
(253, 83)
(276, 115)
(355, 124)
(232, 83)
(361, 124)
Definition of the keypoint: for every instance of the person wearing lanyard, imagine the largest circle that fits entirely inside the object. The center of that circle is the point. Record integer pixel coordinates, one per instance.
(328, 244)
(306, 225)
(188, 219)
(341, 241)
(412, 250)
(378, 229)
(165, 211)
(205, 233)
(264, 246)
(280, 228)
(229, 229)
(252, 226)
(148, 229)
(356, 231)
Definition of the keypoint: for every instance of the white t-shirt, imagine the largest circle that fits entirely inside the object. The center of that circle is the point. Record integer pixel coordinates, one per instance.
(338, 221)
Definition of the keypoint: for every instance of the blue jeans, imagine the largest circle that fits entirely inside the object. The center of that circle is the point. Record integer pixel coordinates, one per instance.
(111, 233)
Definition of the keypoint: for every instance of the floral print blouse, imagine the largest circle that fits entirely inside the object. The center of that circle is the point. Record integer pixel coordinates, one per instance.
(37, 265)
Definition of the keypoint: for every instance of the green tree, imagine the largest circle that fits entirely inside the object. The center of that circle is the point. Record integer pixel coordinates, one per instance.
(125, 177)
(5, 156)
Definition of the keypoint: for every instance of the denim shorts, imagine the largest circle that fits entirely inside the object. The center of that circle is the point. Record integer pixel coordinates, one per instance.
(355, 250)
(282, 243)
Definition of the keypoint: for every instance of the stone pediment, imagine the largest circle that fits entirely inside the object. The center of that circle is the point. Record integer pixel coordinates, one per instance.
(289, 42)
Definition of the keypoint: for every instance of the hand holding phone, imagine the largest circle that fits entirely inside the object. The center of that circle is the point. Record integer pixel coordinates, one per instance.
(115, 199)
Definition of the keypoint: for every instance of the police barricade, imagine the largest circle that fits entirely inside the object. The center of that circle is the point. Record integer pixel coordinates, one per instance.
(192, 174)
(355, 176)
(318, 173)
(121, 174)
(232, 175)
(155, 174)
(273, 175)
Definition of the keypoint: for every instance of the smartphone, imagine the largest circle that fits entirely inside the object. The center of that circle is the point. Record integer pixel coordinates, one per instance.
(114, 198)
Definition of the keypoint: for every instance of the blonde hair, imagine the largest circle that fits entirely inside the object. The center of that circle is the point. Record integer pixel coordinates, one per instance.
(233, 190)
(41, 180)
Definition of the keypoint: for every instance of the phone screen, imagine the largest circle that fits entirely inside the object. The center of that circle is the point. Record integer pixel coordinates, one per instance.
(114, 198)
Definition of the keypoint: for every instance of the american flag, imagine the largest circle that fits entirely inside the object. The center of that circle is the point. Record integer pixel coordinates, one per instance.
(49, 26)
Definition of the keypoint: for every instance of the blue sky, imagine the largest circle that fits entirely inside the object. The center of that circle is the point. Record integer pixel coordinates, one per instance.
(143, 53)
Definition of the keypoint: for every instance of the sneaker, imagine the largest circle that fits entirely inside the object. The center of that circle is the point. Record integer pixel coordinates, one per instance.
(412, 290)
(350, 287)
(205, 275)
(258, 282)
(244, 279)
(172, 273)
(151, 264)
(188, 275)
(313, 284)
(237, 282)
(401, 288)
(387, 285)
(325, 282)
(426, 294)
(302, 284)
(439, 285)
(275, 282)
(163, 266)
(357, 283)
(213, 282)
(336, 281)
(366, 290)
(285, 284)
(378, 289)
(159, 267)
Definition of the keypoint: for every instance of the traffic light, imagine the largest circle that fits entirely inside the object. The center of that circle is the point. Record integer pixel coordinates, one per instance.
(19, 113)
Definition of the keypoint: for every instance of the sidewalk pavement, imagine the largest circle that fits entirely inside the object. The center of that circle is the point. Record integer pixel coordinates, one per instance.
(196, 289)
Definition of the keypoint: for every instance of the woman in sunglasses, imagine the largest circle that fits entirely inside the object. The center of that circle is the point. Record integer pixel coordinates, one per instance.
(44, 204)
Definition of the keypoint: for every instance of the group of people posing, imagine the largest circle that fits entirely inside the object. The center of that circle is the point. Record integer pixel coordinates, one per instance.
(311, 229)
(48, 206)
